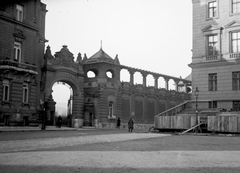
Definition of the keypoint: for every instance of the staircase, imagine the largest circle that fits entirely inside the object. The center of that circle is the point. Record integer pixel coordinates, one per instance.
(183, 117)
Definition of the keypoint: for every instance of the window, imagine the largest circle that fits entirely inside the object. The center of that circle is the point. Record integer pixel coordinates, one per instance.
(235, 42)
(25, 93)
(19, 13)
(212, 45)
(5, 90)
(17, 51)
(212, 81)
(235, 6)
(236, 105)
(212, 9)
(110, 107)
(212, 104)
(236, 80)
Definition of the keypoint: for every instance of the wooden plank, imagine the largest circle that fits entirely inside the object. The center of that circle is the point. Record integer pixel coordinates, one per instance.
(190, 128)
(238, 125)
(226, 124)
(172, 122)
(233, 124)
(193, 121)
(175, 122)
(210, 125)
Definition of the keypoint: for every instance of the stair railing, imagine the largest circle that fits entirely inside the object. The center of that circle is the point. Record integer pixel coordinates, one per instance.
(174, 110)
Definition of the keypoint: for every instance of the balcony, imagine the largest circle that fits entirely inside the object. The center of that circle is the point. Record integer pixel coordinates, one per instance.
(21, 67)
(234, 55)
(210, 58)
(231, 56)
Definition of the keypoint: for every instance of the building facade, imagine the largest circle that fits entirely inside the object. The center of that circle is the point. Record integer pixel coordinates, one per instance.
(22, 38)
(216, 53)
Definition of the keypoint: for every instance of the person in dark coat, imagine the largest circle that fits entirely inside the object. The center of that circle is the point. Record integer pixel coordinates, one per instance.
(130, 125)
(118, 123)
(59, 121)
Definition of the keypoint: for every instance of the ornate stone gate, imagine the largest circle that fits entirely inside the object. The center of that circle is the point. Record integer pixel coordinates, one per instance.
(62, 68)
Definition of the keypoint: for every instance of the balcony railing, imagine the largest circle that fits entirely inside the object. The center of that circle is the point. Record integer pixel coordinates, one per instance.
(211, 58)
(234, 55)
(9, 64)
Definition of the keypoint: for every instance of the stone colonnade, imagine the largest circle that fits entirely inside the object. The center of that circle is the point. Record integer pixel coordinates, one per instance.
(156, 77)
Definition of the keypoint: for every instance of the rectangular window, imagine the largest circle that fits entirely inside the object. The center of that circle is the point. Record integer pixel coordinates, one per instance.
(17, 51)
(235, 42)
(235, 6)
(110, 107)
(212, 9)
(212, 45)
(19, 13)
(5, 90)
(212, 104)
(212, 81)
(236, 105)
(236, 80)
(25, 93)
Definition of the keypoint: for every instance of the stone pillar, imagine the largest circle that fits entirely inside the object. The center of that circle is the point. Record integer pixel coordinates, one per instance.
(156, 81)
(131, 76)
(77, 111)
(144, 75)
(176, 85)
(166, 83)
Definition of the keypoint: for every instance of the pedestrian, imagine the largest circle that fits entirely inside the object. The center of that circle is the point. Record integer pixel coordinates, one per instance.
(118, 123)
(130, 125)
(59, 121)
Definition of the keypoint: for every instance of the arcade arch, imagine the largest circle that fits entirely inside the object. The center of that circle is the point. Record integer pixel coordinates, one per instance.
(150, 80)
(124, 75)
(138, 78)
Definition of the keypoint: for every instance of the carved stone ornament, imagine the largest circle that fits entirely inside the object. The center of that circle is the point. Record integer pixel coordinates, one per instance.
(63, 58)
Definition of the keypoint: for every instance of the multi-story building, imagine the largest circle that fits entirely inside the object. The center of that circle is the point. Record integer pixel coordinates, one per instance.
(216, 53)
(22, 38)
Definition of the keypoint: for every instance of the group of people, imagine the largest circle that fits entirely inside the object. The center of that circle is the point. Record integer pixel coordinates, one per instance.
(130, 124)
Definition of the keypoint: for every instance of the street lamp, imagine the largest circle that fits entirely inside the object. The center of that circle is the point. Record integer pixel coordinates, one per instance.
(196, 92)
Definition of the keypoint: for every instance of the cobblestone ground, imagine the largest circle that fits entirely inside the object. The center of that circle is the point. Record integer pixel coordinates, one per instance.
(35, 155)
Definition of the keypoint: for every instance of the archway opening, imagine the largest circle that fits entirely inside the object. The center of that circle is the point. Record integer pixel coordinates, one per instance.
(150, 80)
(138, 78)
(124, 75)
(62, 95)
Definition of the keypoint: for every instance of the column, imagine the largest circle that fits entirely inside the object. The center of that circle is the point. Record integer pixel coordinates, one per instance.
(144, 75)
(166, 83)
(156, 81)
(176, 85)
(131, 72)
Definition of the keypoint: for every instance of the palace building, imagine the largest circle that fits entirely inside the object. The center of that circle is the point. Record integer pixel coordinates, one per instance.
(28, 73)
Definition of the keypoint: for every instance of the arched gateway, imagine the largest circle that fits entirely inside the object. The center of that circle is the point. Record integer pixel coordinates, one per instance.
(63, 68)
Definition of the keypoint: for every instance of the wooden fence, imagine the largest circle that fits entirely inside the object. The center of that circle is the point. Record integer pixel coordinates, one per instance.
(224, 123)
(215, 123)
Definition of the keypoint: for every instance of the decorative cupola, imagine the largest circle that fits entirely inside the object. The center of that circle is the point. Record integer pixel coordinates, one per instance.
(101, 56)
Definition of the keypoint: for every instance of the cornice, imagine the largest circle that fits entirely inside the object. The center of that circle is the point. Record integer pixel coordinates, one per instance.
(19, 23)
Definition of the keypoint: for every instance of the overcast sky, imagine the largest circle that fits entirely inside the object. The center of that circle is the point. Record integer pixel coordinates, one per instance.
(153, 35)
